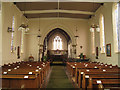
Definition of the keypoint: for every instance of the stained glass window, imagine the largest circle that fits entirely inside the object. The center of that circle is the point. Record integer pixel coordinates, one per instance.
(116, 27)
(119, 27)
(93, 42)
(12, 35)
(57, 43)
(22, 40)
(102, 35)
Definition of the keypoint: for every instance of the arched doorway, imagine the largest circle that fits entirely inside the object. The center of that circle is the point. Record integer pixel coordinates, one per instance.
(56, 45)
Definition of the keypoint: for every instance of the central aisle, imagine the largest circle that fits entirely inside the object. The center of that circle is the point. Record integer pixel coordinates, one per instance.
(58, 78)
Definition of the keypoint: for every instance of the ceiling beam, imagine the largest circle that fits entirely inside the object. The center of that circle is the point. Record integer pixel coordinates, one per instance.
(60, 1)
(60, 11)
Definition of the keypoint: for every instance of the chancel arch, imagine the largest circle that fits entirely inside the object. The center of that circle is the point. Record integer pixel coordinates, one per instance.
(56, 43)
(60, 25)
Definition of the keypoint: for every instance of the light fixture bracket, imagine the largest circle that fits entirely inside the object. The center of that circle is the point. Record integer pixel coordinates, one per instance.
(9, 29)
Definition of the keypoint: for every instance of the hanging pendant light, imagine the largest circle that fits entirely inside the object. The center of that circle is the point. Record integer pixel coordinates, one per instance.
(91, 29)
(58, 14)
(97, 28)
(39, 29)
(76, 36)
(39, 45)
(23, 26)
(94, 26)
(76, 33)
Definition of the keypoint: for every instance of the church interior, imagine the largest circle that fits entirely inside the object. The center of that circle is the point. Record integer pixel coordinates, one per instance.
(60, 44)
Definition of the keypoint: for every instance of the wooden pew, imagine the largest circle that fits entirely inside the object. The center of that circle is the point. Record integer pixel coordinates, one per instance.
(95, 74)
(24, 69)
(92, 72)
(71, 66)
(80, 70)
(91, 67)
(108, 83)
(19, 81)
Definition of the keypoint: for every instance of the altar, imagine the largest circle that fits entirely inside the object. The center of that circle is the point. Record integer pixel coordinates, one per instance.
(58, 56)
(58, 52)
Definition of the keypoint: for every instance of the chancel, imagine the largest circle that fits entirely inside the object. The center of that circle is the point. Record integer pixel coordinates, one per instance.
(60, 44)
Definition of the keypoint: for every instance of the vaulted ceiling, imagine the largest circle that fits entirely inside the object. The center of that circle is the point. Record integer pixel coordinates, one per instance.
(83, 10)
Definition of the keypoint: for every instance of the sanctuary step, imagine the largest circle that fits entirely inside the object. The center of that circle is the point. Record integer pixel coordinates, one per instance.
(58, 63)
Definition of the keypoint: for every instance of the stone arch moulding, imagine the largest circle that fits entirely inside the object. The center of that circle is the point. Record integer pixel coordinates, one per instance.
(61, 26)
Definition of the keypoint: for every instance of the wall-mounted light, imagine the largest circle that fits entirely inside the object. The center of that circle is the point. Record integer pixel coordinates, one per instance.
(94, 27)
(9, 29)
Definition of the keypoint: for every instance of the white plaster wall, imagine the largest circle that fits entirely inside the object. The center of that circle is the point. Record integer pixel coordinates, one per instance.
(48, 24)
(106, 10)
(8, 11)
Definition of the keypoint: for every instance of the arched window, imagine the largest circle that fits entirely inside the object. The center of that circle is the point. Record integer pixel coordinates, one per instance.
(57, 43)
(102, 35)
(93, 42)
(116, 27)
(12, 35)
(22, 40)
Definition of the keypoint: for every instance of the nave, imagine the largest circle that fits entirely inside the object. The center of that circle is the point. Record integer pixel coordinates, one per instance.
(71, 44)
